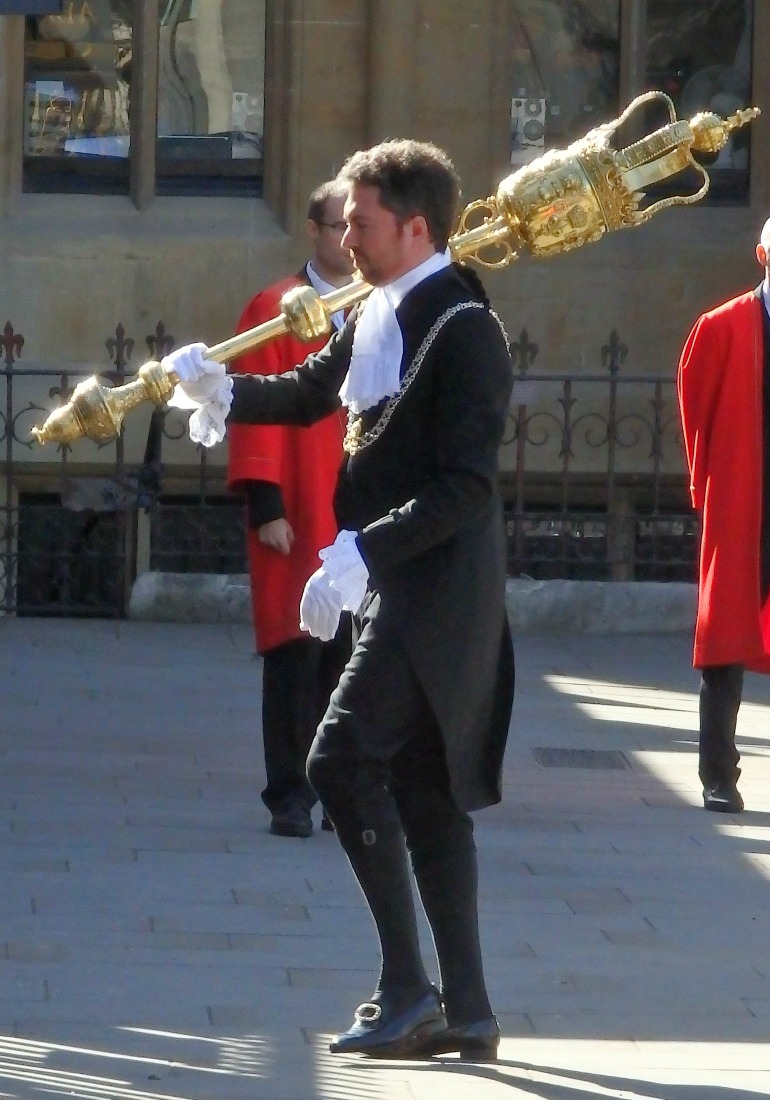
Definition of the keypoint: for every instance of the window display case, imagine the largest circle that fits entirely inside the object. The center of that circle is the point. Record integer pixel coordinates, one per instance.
(210, 87)
(207, 79)
(699, 52)
(565, 66)
(78, 66)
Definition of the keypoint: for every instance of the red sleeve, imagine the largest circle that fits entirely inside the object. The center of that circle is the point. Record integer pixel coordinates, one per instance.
(698, 380)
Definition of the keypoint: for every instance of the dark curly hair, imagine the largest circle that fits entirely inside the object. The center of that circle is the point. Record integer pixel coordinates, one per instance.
(413, 177)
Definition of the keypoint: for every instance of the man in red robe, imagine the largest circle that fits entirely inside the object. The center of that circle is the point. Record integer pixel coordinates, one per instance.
(725, 408)
(287, 476)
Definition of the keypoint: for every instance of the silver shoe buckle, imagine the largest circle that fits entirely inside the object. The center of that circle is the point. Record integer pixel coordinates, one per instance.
(368, 1013)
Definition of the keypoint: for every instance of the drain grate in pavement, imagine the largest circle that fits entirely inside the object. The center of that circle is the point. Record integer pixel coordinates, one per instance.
(606, 759)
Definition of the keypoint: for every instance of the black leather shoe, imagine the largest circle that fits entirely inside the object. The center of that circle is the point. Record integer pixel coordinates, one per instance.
(723, 798)
(326, 824)
(293, 821)
(477, 1042)
(381, 1033)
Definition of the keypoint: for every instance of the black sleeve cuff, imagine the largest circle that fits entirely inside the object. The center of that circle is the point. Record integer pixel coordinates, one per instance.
(264, 503)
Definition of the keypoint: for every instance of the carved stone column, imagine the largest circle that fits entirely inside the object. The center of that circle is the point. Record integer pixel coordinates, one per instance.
(760, 128)
(11, 107)
(315, 97)
(392, 40)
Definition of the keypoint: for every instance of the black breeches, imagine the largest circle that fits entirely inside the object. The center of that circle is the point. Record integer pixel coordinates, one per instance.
(379, 749)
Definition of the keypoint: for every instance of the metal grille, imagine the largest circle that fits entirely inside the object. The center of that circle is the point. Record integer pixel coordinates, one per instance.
(69, 527)
(599, 491)
(596, 759)
(69, 563)
(197, 536)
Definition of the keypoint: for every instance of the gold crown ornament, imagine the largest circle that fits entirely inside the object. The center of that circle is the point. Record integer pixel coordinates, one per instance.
(564, 199)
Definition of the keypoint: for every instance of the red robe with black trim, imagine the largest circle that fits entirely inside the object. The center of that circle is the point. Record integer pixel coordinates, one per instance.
(304, 462)
(720, 391)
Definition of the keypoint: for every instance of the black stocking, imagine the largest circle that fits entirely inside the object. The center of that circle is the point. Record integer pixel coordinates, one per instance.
(448, 885)
(440, 840)
(371, 835)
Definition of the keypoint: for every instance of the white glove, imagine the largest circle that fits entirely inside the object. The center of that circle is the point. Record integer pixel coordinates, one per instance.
(339, 585)
(199, 378)
(320, 607)
(347, 569)
(188, 363)
(204, 387)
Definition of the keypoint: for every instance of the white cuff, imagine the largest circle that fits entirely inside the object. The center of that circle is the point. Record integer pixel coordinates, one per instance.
(343, 563)
(210, 397)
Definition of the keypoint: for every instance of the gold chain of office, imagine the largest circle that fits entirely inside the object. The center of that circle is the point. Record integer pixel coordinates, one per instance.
(356, 439)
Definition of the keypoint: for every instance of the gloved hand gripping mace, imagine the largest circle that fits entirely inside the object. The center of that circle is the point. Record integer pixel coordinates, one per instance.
(560, 201)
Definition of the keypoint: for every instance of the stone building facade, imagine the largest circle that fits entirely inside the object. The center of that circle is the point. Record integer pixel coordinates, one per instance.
(339, 75)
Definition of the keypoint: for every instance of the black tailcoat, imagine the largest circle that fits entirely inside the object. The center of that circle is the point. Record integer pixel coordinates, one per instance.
(424, 498)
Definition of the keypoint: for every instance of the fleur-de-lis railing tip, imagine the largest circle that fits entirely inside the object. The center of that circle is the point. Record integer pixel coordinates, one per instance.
(120, 347)
(523, 352)
(11, 343)
(160, 342)
(614, 353)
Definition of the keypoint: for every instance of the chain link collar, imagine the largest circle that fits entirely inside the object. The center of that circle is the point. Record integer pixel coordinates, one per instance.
(356, 439)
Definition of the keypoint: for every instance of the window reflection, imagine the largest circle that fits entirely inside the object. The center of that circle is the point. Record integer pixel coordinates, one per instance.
(77, 80)
(565, 64)
(78, 73)
(211, 81)
(699, 52)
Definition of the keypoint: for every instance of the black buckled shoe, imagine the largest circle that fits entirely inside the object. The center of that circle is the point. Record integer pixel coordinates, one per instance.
(723, 798)
(476, 1042)
(379, 1032)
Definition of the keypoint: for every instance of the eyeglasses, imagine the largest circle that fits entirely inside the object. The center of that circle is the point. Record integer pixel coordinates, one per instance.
(338, 227)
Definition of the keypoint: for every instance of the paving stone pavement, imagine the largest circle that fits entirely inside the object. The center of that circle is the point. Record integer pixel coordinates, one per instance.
(156, 941)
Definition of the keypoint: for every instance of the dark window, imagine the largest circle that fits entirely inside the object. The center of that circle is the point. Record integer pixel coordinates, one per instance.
(210, 92)
(565, 72)
(81, 70)
(567, 66)
(198, 536)
(699, 53)
(70, 562)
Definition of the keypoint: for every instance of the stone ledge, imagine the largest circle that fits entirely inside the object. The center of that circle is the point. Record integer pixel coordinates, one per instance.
(601, 607)
(574, 607)
(191, 598)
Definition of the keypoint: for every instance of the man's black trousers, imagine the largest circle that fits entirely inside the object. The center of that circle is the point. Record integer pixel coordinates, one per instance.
(297, 680)
(720, 699)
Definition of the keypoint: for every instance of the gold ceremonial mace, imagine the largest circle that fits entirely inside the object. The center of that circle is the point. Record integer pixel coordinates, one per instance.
(560, 201)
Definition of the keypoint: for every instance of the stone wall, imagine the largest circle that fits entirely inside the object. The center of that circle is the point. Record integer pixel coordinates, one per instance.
(341, 74)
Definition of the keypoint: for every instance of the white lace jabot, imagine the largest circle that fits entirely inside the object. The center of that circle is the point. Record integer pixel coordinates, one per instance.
(378, 346)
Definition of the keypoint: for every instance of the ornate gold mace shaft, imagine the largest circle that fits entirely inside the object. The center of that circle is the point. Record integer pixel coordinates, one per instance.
(560, 201)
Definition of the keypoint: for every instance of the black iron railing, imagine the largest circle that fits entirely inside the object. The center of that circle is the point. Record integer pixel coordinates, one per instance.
(593, 481)
(597, 488)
